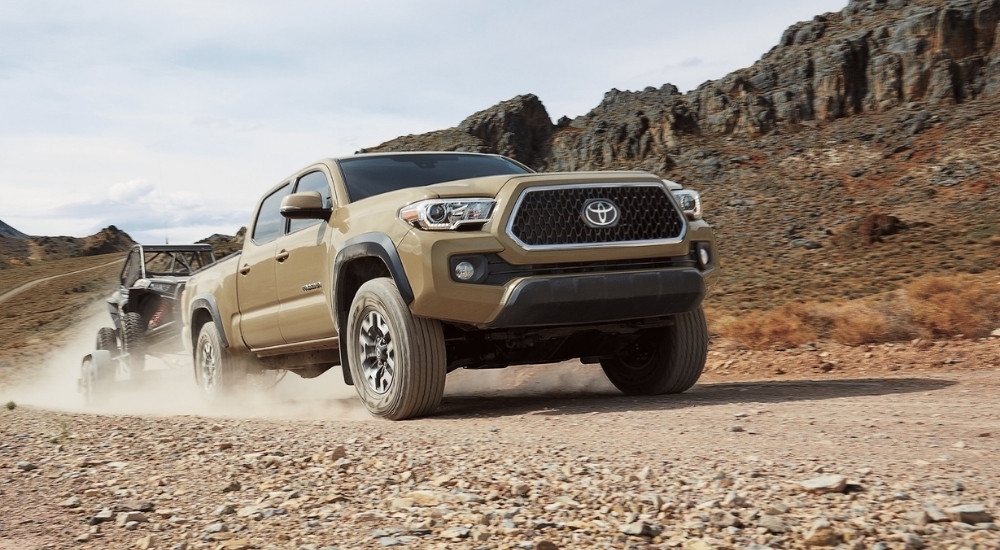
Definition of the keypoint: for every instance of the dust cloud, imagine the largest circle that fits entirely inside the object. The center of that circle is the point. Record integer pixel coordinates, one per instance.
(167, 387)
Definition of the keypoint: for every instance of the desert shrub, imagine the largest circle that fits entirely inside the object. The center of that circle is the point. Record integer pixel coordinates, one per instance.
(932, 306)
(865, 322)
(783, 327)
(954, 305)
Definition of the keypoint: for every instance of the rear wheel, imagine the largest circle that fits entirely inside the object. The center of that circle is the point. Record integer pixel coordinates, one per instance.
(397, 360)
(666, 360)
(133, 335)
(217, 372)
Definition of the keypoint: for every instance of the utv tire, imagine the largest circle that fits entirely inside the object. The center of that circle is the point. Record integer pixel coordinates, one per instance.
(397, 360)
(667, 360)
(107, 340)
(217, 372)
(133, 336)
(97, 376)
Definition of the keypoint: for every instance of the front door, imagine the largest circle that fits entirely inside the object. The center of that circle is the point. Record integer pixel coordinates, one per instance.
(303, 272)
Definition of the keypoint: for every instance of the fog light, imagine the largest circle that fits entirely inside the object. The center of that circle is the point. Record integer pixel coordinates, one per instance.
(464, 271)
(703, 256)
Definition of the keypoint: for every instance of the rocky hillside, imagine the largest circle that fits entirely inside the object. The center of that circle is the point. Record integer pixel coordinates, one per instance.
(856, 155)
(25, 250)
(872, 57)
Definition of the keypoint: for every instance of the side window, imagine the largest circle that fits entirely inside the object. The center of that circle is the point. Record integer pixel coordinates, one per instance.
(270, 224)
(313, 181)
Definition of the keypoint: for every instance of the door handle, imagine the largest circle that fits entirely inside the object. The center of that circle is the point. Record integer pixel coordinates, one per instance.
(282, 256)
(245, 269)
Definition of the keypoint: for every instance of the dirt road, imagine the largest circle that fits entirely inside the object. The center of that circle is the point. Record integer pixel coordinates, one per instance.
(523, 458)
(30, 284)
(898, 443)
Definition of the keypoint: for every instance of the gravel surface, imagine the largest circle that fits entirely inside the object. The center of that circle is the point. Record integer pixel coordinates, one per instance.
(520, 459)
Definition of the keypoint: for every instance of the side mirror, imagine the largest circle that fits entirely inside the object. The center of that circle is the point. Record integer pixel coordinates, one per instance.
(307, 205)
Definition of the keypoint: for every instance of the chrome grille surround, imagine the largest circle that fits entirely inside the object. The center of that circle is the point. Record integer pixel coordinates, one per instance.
(551, 217)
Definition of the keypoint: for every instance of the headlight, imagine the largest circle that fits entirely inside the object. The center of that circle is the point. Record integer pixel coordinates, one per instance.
(444, 214)
(690, 202)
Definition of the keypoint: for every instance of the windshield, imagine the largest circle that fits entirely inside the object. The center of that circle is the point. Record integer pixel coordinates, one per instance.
(369, 176)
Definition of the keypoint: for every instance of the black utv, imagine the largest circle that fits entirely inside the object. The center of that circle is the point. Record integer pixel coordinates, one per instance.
(144, 309)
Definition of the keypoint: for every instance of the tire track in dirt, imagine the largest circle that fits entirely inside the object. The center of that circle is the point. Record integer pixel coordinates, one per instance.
(28, 285)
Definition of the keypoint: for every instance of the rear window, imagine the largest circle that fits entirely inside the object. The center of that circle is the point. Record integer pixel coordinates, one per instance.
(369, 176)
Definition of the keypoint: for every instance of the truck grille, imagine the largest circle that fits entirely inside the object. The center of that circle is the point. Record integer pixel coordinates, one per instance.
(555, 216)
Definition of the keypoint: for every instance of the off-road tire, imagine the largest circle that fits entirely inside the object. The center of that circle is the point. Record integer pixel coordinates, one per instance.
(218, 373)
(133, 336)
(667, 360)
(107, 340)
(97, 377)
(397, 360)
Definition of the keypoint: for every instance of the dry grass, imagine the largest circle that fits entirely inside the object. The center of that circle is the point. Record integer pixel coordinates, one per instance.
(13, 277)
(954, 306)
(786, 326)
(932, 307)
(871, 322)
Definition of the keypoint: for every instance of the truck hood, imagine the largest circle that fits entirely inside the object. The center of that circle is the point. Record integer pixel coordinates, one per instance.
(491, 186)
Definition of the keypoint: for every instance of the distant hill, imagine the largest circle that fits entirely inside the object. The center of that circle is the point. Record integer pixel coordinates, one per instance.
(25, 250)
(224, 245)
(10, 232)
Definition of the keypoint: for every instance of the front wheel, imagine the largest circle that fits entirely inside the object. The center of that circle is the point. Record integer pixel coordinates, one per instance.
(97, 376)
(397, 360)
(133, 335)
(216, 370)
(107, 340)
(666, 360)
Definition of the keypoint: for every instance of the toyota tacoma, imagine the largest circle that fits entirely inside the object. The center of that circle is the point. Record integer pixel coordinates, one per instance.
(403, 267)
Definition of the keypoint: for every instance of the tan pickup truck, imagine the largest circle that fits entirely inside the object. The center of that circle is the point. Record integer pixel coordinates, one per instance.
(402, 267)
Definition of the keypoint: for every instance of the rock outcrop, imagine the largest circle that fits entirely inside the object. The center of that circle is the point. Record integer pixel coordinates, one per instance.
(871, 56)
(519, 128)
(106, 241)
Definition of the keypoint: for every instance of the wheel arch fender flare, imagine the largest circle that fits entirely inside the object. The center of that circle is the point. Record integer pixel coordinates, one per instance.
(367, 245)
(206, 302)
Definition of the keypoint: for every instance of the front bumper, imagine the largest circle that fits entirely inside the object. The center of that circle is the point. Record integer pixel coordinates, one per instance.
(600, 298)
(665, 280)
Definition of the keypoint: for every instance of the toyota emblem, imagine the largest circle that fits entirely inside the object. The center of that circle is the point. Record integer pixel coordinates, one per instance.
(600, 213)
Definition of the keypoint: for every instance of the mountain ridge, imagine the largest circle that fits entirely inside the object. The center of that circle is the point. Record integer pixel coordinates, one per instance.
(24, 250)
(872, 56)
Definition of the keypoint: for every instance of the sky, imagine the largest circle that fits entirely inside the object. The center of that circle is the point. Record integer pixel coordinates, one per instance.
(169, 119)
